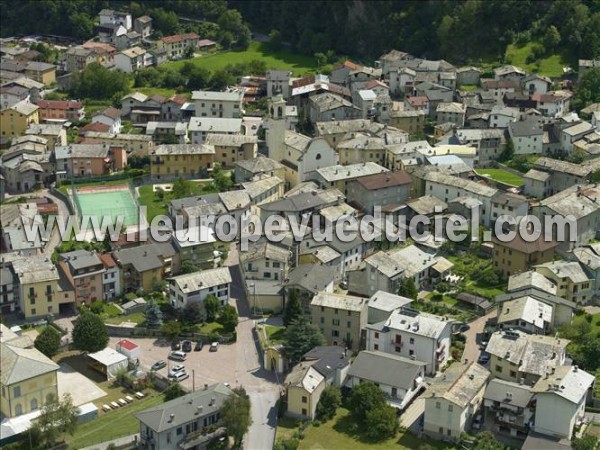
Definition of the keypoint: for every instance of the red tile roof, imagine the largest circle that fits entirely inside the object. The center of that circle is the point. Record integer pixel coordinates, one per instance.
(179, 37)
(206, 43)
(376, 83)
(127, 344)
(384, 179)
(96, 126)
(350, 65)
(419, 100)
(59, 104)
(107, 260)
(111, 112)
(179, 99)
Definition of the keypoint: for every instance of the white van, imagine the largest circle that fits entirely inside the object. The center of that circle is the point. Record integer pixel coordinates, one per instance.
(179, 376)
(178, 356)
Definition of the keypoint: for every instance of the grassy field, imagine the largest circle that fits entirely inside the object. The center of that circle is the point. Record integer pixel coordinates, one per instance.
(502, 176)
(551, 65)
(157, 206)
(137, 318)
(338, 433)
(284, 60)
(113, 424)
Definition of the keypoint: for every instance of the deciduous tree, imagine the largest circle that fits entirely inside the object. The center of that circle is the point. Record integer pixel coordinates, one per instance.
(48, 341)
(89, 333)
(235, 414)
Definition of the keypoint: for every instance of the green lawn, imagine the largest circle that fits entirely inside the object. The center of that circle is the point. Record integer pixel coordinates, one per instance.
(468, 87)
(297, 63)
(550, 65)
(155, 205)
(338, 434)
(137, 318)
(113, 424)
(502, 175)
(211, 327)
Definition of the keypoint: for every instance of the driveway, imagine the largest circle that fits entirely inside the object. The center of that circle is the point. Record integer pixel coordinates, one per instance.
(238, 364)
(472, 350)
(63, 213)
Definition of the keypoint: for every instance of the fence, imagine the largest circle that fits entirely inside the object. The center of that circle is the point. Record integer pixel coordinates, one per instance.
(119, 331)
(65, 199)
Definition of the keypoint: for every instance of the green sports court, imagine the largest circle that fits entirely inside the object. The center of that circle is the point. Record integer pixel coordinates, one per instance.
(112, 201)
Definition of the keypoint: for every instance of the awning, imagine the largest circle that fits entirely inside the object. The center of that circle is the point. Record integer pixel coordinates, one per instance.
(442, 265)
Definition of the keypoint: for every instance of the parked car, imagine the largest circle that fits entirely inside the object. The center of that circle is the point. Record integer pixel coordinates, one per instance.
(159, 365)
(214, 346)
(186, 346)
(460, 328)
(176, 344)
(180, 376)
(484, 358)
(176, 369)
(199, 345)
(177, 355)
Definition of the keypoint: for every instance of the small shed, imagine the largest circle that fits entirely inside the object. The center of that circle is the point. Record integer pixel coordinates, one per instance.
(480, 304)
(134, 306)
(87, 412)
(108, 362)
(128, 348)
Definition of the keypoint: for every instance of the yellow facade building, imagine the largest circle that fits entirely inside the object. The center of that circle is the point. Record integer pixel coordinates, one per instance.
(181, 161)
(15, 120)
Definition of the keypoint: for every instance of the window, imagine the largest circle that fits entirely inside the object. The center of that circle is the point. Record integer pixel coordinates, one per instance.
(349, 324)
(304, 413)
(376, 347)
(411, 340)
(179, 431)
(17, 391)
(322, 319)
(450, 408)
(318, 156)
(438, 405)
(513, 374)
(34, 404)
(18, 409)
(376, 335)
(441, 430)
(394, 392)
(304, 399)
(411, 353)
(448, 432)
(499, 369)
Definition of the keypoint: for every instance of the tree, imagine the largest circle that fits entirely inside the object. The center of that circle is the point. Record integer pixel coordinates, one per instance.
(89, 333)
(551, 38)
(275, 40)
(153, 314)
(508, 152)
(173, 391)
(188, 266)
(182, 188)
(228, 318)
(56, 418)
(193, 312)
(171, 329)
(98, 82)
(595, 178)
(381, 422)
(300, 337)
(235, 414)
(407, 288)
(221, 179)
(487, 441)
(212, 305)
(232, 24)
(48, 341)
(587, 442)
(330, 401)
(588, 90)
(293, 308)
(364, 398)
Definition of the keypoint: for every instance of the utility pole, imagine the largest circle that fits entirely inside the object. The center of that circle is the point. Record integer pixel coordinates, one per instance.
(193, 380)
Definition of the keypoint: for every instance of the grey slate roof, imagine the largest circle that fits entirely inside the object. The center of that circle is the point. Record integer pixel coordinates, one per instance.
(19, 364)
(329, 358)
(497, 389)
(179, 411)
(145, 257)
(386, 369)
(312, 277)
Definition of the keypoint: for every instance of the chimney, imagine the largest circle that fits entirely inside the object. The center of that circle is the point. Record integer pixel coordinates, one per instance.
(198, 409)
(171, 417)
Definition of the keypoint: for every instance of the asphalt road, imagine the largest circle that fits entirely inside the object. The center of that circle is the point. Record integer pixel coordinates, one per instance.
(472, 349)
(260, 385)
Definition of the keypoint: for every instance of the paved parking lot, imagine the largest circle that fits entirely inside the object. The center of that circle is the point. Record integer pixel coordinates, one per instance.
(203, 367)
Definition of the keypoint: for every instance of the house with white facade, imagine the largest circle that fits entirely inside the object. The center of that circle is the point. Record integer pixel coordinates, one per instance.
(200, 127)
(228, 104)
(509, 407)
(560, 401)
(398, 377)
(527, 136)
(196, 286)
(412, 334)
(453, 400)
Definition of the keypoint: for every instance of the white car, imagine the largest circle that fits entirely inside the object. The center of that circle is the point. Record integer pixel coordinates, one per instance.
(176, 369)
(214, 346)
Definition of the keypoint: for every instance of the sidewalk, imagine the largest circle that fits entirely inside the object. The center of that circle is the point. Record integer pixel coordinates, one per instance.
(124, 442)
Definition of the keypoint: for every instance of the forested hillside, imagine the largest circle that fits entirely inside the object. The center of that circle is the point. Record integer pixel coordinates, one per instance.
(461, 31)
(458, 30)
